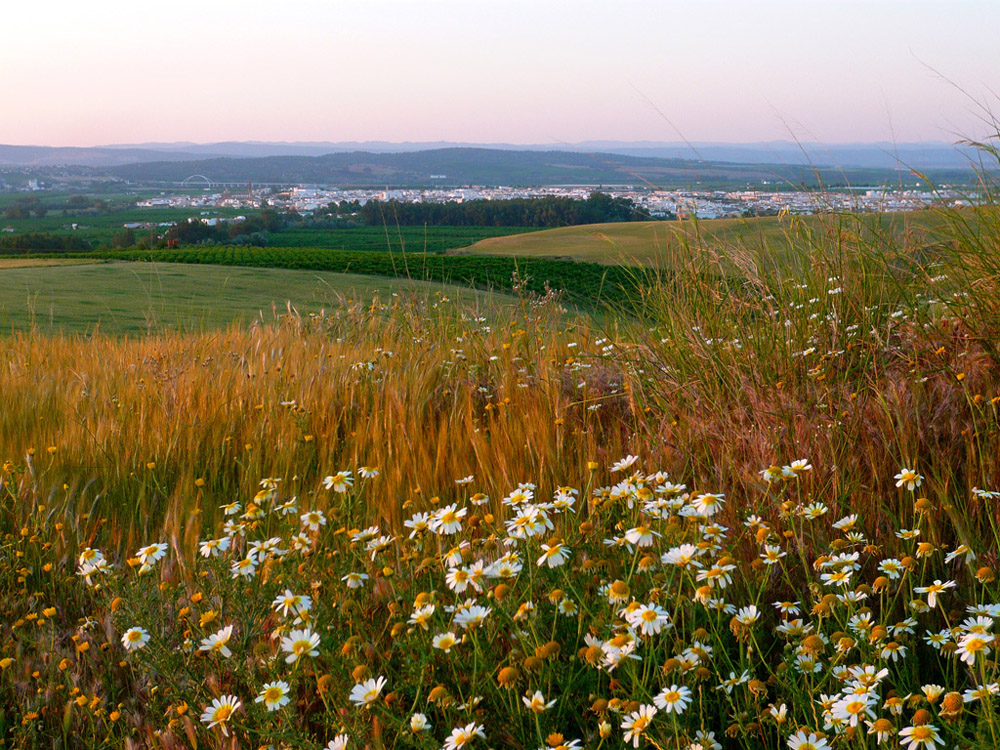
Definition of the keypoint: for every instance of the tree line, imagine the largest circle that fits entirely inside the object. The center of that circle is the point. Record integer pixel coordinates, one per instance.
(31, 205)
(260, 229)
(545, 212)
(27, 243)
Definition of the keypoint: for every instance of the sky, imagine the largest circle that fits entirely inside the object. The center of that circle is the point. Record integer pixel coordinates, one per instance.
(511, 71)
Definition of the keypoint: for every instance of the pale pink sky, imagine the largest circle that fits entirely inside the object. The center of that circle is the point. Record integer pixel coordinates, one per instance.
(518, 71)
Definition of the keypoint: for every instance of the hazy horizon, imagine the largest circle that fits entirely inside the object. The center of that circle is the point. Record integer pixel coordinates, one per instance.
(515, 72)
(486, 144)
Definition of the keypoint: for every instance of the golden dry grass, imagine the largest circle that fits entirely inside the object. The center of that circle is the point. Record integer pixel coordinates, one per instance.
(382, 388)
(39, 262)
(850, 363)
(427, 393)
(661, 243)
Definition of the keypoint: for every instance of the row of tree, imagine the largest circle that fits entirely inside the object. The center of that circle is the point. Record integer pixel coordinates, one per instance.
(254, 230)
(27, 243)
(251, 231)
(517, 212)
(31, 205)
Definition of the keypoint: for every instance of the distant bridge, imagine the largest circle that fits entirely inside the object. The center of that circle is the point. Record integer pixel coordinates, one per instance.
(195, 177)
(200, 180)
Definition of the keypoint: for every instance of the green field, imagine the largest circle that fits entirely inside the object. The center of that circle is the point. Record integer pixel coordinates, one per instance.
(122, 298)
(430, 239)
(590, 284)
(98, 229)
(589, 264)
(659, 242)
(114, 195)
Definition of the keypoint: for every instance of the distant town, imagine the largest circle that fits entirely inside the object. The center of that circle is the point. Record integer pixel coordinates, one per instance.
(704, 204)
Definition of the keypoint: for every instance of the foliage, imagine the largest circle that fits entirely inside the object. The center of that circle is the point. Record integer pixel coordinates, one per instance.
(587, 282)
(390, 238)
(18, 244)
(516, 212)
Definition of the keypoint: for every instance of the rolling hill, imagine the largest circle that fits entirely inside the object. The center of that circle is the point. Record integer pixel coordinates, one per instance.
(478, 166)
(660, 243)
(918, 155)
(136, 298)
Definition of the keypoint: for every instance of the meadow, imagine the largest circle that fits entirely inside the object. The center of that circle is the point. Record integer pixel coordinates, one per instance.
(100, 228)
(67, 296)
(706, 515)
(663, 243)
(420, 239)
(589, 283)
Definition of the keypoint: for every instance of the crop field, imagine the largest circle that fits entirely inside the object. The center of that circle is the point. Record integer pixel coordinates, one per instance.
(56, 199)
(429, 239)
(99, 229)
(63, 296)
(582, 282)
(663, 243)
(718, 514)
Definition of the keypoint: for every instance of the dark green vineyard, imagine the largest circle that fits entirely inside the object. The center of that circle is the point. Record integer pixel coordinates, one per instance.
(577, 281)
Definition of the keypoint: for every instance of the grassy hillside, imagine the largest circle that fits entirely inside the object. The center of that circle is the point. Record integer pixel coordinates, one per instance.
(420, 239)
(139, 297)
(203, 522)
(585, 283)
(660, 242)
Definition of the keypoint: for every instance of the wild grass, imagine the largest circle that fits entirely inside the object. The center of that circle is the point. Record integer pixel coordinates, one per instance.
(823, 431)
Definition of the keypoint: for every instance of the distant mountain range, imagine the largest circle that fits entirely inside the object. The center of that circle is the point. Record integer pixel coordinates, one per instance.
(452, 166)
(922, 155)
